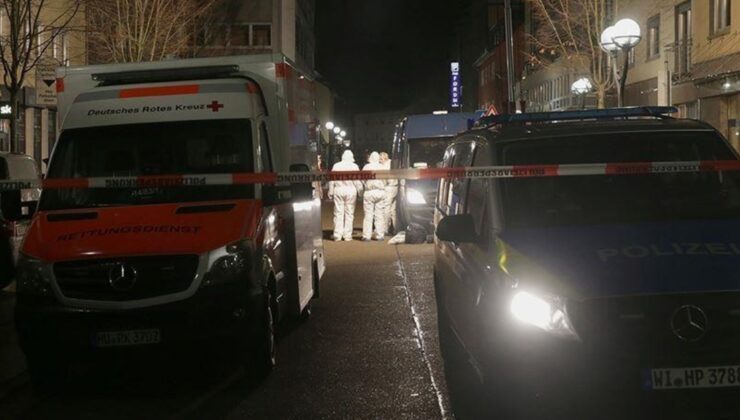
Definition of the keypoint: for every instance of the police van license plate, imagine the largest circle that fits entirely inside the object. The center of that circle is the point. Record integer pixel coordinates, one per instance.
(127, 338)
(695, 377)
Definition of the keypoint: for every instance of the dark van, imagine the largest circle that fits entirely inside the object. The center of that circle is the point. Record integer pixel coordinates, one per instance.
(420, 142)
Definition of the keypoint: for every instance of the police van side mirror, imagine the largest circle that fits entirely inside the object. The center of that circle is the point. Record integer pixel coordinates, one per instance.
(301, 191)
(458, 228)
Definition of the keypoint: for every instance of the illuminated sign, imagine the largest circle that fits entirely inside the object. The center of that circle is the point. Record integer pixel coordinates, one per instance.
(6, 109)
(455, 86)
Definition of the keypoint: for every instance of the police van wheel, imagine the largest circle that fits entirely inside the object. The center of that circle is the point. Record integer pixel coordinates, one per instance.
(263, 355)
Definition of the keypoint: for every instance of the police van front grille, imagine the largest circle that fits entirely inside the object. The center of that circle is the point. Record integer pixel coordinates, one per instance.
(100, 279)
(639, 328)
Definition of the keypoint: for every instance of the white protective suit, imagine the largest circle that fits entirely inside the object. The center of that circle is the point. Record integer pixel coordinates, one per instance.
(391, 191)
(344, 194)
(374, 201)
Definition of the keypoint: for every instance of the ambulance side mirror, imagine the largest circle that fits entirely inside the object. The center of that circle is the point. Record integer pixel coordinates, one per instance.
(302, 191)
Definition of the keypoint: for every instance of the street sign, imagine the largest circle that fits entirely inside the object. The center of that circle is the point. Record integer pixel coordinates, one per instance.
(455, 86)
(46, 83)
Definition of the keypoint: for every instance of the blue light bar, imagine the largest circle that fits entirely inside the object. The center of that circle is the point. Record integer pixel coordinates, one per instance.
(590, 114)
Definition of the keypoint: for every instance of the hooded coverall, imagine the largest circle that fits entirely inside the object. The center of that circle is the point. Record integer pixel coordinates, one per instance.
(374, 201)
(344, 194)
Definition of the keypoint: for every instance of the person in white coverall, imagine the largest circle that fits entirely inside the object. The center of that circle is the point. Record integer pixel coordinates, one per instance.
(391, 191)
(344, 194)
(374, 201)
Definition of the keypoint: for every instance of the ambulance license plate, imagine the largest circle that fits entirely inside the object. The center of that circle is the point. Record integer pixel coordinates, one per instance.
(127, 338)
(693, 377)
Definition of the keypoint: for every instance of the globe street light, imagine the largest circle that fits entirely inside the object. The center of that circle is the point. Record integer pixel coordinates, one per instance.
(337, 130)
(346, 142)
(623, 36)
(329, 125)
(343, 133)
(581, 87)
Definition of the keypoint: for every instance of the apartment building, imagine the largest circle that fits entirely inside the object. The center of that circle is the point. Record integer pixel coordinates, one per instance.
(264, 26)
(689, 56)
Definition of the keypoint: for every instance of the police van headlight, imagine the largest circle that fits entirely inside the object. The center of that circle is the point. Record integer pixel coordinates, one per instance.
(544, 312)
(228, 264)
(32, 276)
(415, 197)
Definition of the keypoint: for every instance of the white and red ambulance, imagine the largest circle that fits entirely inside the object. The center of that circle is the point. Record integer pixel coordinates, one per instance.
(139, 262)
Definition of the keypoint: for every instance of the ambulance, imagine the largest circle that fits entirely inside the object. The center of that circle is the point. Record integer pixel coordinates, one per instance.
(142, 263)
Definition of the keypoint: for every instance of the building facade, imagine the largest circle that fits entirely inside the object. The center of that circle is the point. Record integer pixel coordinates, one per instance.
(37, 113)
(689, 56)
(491, 64)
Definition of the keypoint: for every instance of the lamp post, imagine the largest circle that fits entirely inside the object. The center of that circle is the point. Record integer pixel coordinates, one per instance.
(622, 36)
(581, 87)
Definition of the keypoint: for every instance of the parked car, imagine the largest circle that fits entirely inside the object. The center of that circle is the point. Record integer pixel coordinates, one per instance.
(16, 209)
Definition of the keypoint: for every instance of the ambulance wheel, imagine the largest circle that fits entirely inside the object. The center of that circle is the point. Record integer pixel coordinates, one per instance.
(263, 355)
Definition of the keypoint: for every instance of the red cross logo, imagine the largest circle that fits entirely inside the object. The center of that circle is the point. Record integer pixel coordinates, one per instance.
(215, 106)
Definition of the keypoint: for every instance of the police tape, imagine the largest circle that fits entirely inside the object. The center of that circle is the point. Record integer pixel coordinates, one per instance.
(282, 178)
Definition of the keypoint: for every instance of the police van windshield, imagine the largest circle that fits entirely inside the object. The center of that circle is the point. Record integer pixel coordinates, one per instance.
(427, 152)
(167, 148)
(583, 200)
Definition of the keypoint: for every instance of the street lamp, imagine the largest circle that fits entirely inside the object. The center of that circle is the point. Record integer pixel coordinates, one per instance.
(581, 87)
(622, 36)
(346, 142)
(329, 125)
(337, 130)
(343, 133)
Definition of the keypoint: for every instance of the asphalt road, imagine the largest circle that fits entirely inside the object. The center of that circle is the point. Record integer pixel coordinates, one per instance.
(369, 350)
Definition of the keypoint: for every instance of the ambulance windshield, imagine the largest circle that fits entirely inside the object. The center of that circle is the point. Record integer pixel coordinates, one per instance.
(168, 148)
(613, 199)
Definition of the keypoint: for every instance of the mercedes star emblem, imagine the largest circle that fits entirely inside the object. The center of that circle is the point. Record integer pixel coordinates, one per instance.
(122, 277)
(689, 323)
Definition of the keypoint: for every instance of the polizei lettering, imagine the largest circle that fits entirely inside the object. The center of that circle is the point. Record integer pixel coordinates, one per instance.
(123, 230)
(690, 249)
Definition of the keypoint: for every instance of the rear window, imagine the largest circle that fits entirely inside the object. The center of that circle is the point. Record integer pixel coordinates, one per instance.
(169, 148)
(427, 152)
(580, 200)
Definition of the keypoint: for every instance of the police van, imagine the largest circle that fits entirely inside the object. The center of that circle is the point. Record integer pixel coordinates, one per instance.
(621, 292)
(140, 263)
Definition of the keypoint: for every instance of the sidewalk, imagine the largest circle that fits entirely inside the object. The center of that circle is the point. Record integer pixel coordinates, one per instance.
(12, 361)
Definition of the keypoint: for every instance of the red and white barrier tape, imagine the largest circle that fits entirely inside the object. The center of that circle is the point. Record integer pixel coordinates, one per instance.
(515, 171)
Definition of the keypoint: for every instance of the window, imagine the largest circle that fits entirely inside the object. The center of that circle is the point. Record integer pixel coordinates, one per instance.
(180, 147)
(52, 129)
(720, 15)
(459, 186)
(683, 38)
(653, 37)
(239, 35)
(264, 151)
(37, 135)
(261, 35)
(478, 193)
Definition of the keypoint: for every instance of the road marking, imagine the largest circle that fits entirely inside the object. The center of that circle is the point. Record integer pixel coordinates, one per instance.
(443, 411)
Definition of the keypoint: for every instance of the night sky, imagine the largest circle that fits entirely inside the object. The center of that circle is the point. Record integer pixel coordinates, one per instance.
(384, 55)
